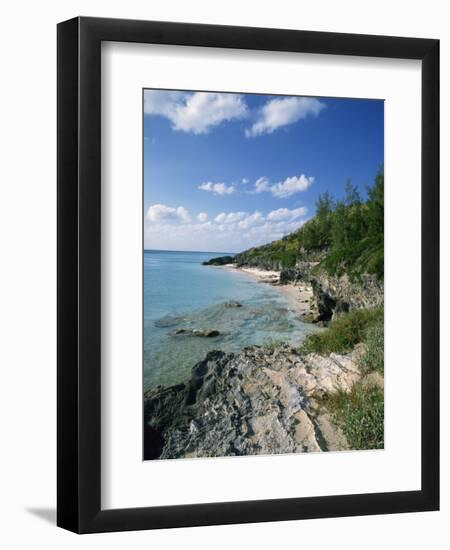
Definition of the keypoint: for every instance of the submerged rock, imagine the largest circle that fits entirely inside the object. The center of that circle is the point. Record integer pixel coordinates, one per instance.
(232, 303)
(196, 332)
(259, 401)
(209, 334)
(168, 321)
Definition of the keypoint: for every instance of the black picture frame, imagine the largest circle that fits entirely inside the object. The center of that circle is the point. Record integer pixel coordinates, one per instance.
(79, 281)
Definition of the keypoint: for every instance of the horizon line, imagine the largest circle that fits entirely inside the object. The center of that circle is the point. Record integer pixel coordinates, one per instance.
(194, 251)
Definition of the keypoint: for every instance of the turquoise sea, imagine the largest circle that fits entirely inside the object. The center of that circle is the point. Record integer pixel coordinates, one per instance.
(181, 293)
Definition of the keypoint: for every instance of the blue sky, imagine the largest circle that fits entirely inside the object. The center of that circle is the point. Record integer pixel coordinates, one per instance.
(224, 172)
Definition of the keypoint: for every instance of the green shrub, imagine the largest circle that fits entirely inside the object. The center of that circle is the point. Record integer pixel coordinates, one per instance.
(344, 332)
(364, 256)
(373, 358)
(373, 262)
(360, 414)
(284, 252)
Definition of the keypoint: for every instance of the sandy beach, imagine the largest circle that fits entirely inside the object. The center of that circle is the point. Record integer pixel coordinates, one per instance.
(299, 294)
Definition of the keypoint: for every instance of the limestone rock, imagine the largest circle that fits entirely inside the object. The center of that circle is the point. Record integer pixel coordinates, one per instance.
(258, 401)
(335, 295)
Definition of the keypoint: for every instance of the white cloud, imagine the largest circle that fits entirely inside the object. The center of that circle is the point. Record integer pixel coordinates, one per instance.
(262, 184)
(231, 217)
(168, 214)
(280, 112)
(283, 189)
(202, 217)
(244, 181)
(286, 214)
(217, 188)
(167, 228)
(162, 102)
(195, 112)
(253, 219)
(290, 186)
(243, 220)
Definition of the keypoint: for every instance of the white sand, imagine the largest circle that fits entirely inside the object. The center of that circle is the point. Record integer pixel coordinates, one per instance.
(300, 296)
(261, 274)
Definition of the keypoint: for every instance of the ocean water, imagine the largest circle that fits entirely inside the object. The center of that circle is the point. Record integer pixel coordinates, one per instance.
(180, 293)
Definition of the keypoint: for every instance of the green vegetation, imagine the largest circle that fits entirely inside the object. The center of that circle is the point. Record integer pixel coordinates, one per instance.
(360, 414)
(345, 236)
(346, 331)
(284, 252)
(271, 344)
(351, 231)
(373, 358)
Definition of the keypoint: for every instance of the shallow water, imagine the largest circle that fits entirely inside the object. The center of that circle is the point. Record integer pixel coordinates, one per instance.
(180, 293)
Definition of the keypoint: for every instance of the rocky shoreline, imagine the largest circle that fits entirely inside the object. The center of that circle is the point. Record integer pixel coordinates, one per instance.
(259, 401)
(264, 400)
(319, 296)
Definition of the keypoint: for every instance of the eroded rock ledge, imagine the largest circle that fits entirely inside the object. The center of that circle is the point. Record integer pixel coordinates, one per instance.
(259, 401)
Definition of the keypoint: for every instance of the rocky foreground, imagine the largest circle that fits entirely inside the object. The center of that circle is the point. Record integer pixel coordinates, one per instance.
(259, 401)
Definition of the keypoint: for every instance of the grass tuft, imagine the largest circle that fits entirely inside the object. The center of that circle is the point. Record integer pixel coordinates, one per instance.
(373, 358)
(271, 344)
(344, 332)
(360, 413)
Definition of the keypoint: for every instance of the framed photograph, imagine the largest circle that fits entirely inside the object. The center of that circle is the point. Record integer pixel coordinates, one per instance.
(248, 288)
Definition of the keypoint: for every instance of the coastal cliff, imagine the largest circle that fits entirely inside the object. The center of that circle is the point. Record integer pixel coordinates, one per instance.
(335, 294)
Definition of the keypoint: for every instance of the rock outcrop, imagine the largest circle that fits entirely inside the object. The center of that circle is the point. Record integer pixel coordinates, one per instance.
(220, 260)
(232, 303)
(336, 295)
(259, 401)
(196, 332)
(302, 271)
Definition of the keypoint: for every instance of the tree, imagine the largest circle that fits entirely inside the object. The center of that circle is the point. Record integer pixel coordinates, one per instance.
(324, 205)
(352, 196)
(339, 231)
(324, 209)
(375, 207)
(355, 223)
